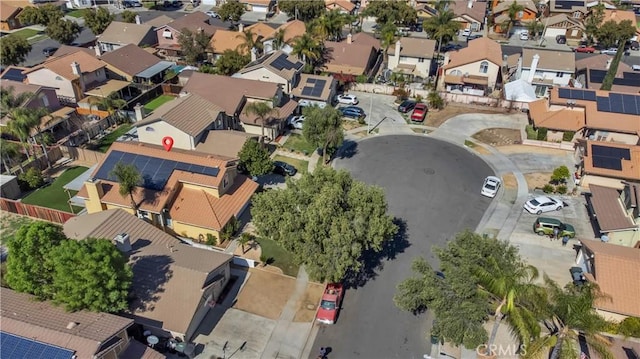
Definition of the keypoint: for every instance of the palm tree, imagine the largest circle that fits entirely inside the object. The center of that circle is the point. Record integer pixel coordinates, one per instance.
(111, 103)
(307, 49)
(570, 316)
(329, 26)
(249, 41)
(278, 39)
(261, 110)
(535, 27)
(388, 38)
(510, 288)
(8, 151)
(442, 27)
(244, 239)
(22, 121)
(10, 101)
(513, 11)
(128, 178)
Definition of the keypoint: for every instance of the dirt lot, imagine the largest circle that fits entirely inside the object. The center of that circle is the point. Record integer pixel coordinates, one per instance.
(308, 304)
(509, 181)
(348, 125)
(265, 293)
(435, 118)
(531, 149)
(498, 136)
(537, 180)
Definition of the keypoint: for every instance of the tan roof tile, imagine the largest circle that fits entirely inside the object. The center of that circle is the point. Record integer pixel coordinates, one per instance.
(617, 269)
(7, 11)
(130, 59)
(168, 275)
(556, 117)
(224, 143)
(261, 29)
(194, 21)
(415, 47)
(363, 38)
(199, 208)
(23, 315)
(62, 65)
(292, 29)
(476, 11)
(223, 40)
(479, 49)
(159, 21)
(630, 168)
(550, 60)
(140, 351)
(619, 16)
(66, 49)
(349, 59)
(125, 33)
(344, 5)
(504, 5)
(609, 209)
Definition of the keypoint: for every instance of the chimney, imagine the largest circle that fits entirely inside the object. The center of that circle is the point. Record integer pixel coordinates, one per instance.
(349, 39)
(138, 20)
(95, 193)
(139, 111)
(608, 64)
(254, 54)
(123, 242)
(98, 50)
(398, 47)
(470, 4)
(240, 27)
(75, 67)
(200, 30)
(533, 68)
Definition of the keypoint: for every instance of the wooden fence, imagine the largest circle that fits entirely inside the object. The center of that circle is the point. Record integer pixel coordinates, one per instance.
(82, 154)
(47, 214)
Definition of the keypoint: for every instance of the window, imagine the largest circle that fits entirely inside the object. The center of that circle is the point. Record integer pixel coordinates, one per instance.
(559, 74)
(484, 67)
(421, 59)
(456, 73)
(520, 14)
(577, 14)
(45, 100)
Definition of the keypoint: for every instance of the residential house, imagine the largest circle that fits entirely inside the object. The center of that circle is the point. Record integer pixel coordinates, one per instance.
(277, 67)
(316, 90)
(261, 6)
(618, 16)
(9, 17)
(470, 14)
(71, 75)
(425, 11)
(574, 9)
(501, 14)
(563, 24)
(474, 70)
(174, 284)
(224, 143)
(590, 73)
(167, 35)
(133, 64)
(342, 6)
(224, 40)
(608, 163)
(158, 21)
(13, 73)
(119, 34)
(546, 68)
(232, 94)
(291, 31)
(615, 270)
(355, 56)
(30, 326)
(411, 56)
(174, 184)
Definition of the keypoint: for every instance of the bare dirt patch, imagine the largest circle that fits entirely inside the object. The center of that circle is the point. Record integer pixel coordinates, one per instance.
(509, 180)
(265, 293)
(537, 179)
(435, 118)
(510, 149)
(308, 304)
(498, 136)
(481, 150)
(348, 125)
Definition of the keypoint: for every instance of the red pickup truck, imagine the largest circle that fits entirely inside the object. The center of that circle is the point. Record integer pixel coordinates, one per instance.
(330, 303)
(584, 48)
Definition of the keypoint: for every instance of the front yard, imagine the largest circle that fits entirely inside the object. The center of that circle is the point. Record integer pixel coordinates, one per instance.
(26, 33)
(297, 143)
(53, 195)
(301, 165)
(277, 256)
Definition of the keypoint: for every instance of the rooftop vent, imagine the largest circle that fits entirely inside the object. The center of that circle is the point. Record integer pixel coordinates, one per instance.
(123, 242)
(72, 325)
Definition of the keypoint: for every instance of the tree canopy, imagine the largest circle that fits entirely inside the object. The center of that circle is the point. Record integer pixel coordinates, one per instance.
(128, 16)
(231, 10)
(609, 34)
(129, 179)
(327, 220)
(14, 49)
(63, 31)
(304, 10)
(194, 46)
(396, 12)
(231, 62)
(42, 15)
(323, 128)
(98, 20)
(255, 158)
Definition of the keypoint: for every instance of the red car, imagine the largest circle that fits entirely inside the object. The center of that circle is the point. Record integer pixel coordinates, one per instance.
(419, 112)
(330, 303)
(585, 48)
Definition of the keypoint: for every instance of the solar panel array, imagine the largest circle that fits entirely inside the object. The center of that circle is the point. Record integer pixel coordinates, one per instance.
(577, 94)
(16, 347)
(628, 78)
(155, 172)
(14, 75)
(569, 4)
(609, 157)
(619, 103)
(282, 62)
(314, 87)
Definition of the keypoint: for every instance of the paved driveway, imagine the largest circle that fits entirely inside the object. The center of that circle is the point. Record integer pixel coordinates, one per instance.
(434, 187)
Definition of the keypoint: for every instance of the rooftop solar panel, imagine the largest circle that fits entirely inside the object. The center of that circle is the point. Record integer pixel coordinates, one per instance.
(14, 75)
(16, 347)
(564, 93)
(607, 163)
(602, 104)
(589, 95)
(307, 91)
(613, 152)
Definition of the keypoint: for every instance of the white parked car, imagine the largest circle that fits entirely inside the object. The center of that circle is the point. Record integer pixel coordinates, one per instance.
(213, 14)
(609, 51)
(466, 32)
(542, 204)
(524, 35)
(491, 186)
(347, 99)
(296, 122)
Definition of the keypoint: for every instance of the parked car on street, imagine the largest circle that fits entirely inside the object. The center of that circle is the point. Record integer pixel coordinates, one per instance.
(406, 106)
(542, 204)
(330, 303)
(212, 14)
(490, 186)
(544, 226)
(473, 37)
(450, 47)
(347, 99)
(352, 112)
(524, 35)
(419, 112)
(609, 51)
(634, 45)
(466, 32)
(586, 49)
(283, 168)
(561, 39)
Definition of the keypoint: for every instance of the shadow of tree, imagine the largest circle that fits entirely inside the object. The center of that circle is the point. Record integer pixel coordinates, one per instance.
(348, 149)
(150, 273)
(373, 261)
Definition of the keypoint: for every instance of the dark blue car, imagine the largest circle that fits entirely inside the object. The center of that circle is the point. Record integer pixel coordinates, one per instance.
(352, 112)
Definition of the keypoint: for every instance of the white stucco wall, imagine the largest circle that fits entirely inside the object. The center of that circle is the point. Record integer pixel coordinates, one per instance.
(154, 133)
(542, 75)
(422, 68)
(46, 77)
(474, 69)
(265, 75)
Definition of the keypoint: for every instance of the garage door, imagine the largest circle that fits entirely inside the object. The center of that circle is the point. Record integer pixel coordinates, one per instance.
(258, 8)
(551, 32)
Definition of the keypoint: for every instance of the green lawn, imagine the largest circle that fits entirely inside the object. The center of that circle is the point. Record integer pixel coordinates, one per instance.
(301, 165)
(26, 33)
(278, 256)
(299, 144)
(53, 195)
(76, 13)
(156, 102)
(106, 141)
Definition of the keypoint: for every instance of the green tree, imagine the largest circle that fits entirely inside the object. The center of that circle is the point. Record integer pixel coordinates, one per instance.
(327, 221)
(307, 49)
(262, 111)
(128, 16)
(231, 62)
(255, 158)
(14, 50)
(111, 103)
(434, 100)
(391, 11)
(560, 174)
(570, 316)
(442, 27)
(231, 10)
(32, 177)
(304, 10)
(194, 46)
(623, 32)
(388, 38)
(244, 239)
(278, 39)
(535, 28)
(63, 31)
(323, 128)
(593, 22)
(28, 269)
(9, 153)
(129, 179)
(329, 25)
(42, 15)
(90, 274)
(249, 41)
(98, 20)
(10, 101)
(22, 121)
(513, 11)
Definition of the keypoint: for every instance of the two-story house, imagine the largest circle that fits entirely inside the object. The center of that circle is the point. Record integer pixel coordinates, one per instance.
(474, 70)
(545, 68)
(575, 9)
(277, 67)
(224, 40)
(259, 6)
(167, 35)
(354, 56)
(342, 6)
(411, 56)
(591, 71)
(119, 34)
(470, 14)
(501, 14)
(174, 284)
(9, 17)
(133, 64)
(563, 24)
(318, 90)
(618, 16)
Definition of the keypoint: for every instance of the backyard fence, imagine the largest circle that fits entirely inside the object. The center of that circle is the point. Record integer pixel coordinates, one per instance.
(82, 154)
(47, 214)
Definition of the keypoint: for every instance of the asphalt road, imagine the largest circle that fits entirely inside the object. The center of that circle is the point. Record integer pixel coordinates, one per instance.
(434, 187)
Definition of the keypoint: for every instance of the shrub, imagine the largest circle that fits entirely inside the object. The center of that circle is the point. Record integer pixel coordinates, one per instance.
(630, 327)
(400, 94)
(419, 98)
(362, 79)
(230, 229)
(542, 134)
(32, 178)
(532, 134)
(548, 188)
(562, 189)
(435, 101)
(568, 136)
(560, 175)
(211, 239)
